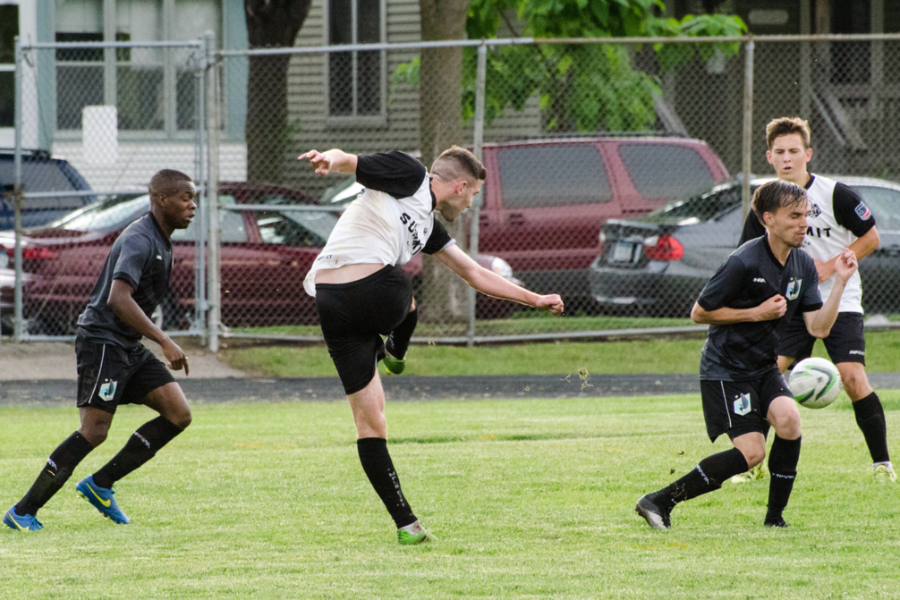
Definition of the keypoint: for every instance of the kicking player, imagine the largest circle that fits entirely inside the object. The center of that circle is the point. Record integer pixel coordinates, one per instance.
(114, 368)
(762, 284)
(838, 220)
(363, 293)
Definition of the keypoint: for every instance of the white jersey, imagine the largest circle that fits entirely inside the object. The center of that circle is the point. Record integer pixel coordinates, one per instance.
(381, 227)
(834, 209)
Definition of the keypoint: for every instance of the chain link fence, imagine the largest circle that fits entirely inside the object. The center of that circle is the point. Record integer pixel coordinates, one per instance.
(94, 121)
(615, 168)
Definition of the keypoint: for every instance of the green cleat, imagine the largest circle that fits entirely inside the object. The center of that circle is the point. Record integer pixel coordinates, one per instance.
(755, 474)
(394, 366)
(884, 474)
(407, 538)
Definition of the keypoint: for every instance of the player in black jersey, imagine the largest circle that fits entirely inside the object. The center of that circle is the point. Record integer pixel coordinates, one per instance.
(761, 285)
(838, 220)
(114, 367)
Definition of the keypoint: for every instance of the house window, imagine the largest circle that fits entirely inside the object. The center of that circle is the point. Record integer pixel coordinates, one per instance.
(153, 89)
(356, 80)
(9, 29)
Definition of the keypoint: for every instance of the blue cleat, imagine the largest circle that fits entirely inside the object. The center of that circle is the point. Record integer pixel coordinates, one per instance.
(26, 523)
(102, 499)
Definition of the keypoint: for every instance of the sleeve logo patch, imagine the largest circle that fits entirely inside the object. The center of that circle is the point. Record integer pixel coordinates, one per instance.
(862, 211)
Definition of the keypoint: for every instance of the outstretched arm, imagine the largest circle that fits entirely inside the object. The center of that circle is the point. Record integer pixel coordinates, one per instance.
(336, 161)
(488, 282)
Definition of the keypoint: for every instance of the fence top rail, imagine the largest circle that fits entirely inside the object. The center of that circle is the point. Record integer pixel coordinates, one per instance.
(819, 37)
(85, 45)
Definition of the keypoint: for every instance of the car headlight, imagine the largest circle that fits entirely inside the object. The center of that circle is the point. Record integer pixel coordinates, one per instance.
(501, 268)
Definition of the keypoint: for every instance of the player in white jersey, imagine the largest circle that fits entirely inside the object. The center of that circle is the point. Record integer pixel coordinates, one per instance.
(363, 293)
(838, 219)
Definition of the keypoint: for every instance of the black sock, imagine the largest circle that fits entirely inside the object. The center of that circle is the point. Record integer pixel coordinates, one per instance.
(783, 459)
(376, 462)
(140, 447)
(55, 474)
(398, 341)
(706, 477)
(870, 418)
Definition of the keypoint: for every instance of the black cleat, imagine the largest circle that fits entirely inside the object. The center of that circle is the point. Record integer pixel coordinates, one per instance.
(655, 515)
(775, 522)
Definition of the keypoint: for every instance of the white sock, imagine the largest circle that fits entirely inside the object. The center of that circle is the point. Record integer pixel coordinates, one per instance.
(413, 528)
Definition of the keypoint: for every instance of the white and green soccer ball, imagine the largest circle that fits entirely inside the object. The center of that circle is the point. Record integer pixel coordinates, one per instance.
(815, 383)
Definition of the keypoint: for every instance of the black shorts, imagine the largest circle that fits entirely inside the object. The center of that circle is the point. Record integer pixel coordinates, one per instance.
(355, 315)
(845, 343)
(739, 407)
(109, 375)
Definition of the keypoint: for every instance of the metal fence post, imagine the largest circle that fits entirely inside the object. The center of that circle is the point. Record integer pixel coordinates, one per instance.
(477, 142)
(199, 324)
(17, 182)
(747, 153)
(214, 291)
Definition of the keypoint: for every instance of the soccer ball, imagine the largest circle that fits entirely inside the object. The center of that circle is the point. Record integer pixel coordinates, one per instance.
(815, 383)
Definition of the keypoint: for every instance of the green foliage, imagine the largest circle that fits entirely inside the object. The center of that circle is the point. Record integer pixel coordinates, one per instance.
(585, 87)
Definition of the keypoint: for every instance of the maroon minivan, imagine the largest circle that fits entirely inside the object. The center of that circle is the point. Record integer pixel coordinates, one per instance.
(544, 201)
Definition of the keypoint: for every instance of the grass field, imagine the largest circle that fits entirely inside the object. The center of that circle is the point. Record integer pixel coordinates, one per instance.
(650, 356)
(530, 499)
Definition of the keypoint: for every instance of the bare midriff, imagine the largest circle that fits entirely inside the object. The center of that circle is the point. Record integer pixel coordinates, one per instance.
(347, 273)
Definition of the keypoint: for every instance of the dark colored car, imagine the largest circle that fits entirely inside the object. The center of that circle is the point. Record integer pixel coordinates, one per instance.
(658, 264)
(544, 202)
(265, 256)
(40, 173)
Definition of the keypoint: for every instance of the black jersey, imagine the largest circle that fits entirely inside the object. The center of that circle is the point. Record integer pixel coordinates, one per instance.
(141, 257)
(750, 276)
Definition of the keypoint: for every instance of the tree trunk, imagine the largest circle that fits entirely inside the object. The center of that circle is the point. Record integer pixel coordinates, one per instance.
(270, 23)
(440, 123)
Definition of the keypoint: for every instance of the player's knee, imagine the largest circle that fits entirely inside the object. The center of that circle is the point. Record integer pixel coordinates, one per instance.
(183, 419)
(95, 435)
(856, 384)
(754, 455)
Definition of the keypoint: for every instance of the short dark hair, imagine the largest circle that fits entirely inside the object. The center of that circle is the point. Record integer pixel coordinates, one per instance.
(165, 181)
(458, 163)
(787, 126)
(771, 196)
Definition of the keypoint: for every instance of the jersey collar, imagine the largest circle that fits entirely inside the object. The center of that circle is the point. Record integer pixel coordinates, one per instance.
(772, 256)
(162, 234)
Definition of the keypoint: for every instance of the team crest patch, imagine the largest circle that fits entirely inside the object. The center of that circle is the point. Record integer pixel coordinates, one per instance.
(107, 391)
(862, 211)
(814, 210)
(742, 404)
(793, 289)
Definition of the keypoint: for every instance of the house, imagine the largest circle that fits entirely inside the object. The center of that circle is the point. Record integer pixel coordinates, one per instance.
(847, 90)
(153, 90)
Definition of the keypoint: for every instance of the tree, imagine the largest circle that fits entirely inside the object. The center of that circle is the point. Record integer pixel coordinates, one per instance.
(440, 99)
(270, 23)
(586, 87)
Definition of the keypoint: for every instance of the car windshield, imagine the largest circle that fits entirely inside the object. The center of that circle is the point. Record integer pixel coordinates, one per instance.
(702, 207)
(111, 213)
(319, 223)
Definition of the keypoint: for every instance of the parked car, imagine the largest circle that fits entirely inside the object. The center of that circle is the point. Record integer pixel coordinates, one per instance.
(264, 257)
(544, 202)
(40, 173)
(659, 263)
